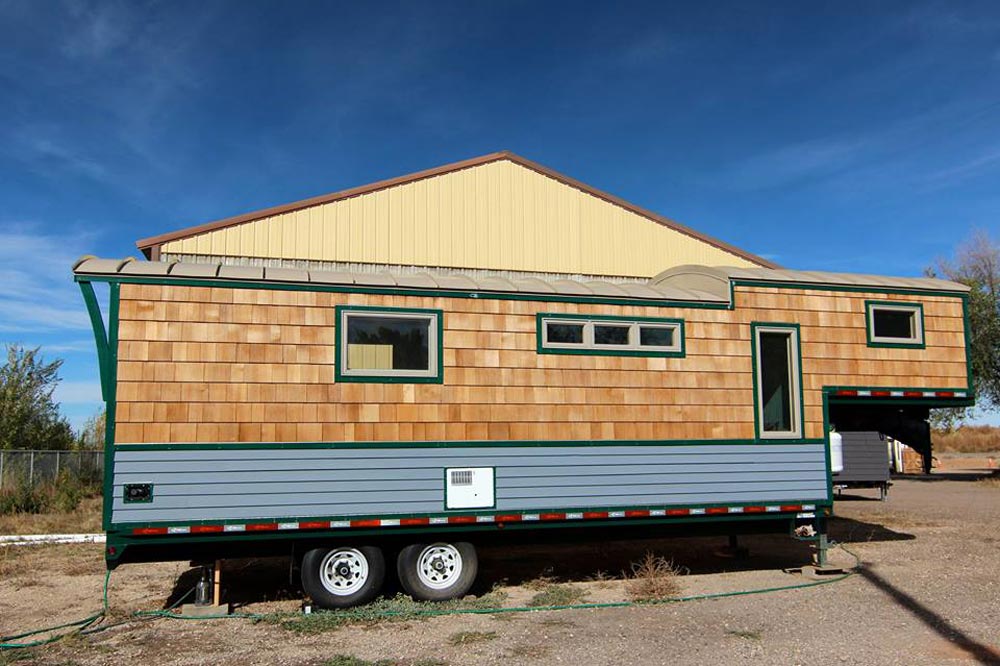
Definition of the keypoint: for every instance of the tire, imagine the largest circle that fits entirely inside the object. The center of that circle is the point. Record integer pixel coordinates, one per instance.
(437, 571)
(343, 576)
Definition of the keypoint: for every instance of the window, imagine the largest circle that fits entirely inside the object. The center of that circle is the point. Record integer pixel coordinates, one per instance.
(389, 345)
(613, 336)
(777, 381)
(894, 324)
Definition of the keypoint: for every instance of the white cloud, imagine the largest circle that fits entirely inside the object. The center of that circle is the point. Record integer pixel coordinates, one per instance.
(39, 294)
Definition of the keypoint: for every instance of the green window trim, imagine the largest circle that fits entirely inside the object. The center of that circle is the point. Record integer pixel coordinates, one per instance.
(797, 408)
(588, 348)
(916, 341)
(435, 346)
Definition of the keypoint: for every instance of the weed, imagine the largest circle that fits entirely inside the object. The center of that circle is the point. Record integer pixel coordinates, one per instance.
(652, 577)
(543, 581)
(557, 594)
(396, 609)
(63, 494)
(470, 637)
(989, 482)
(350, 660)
(750, 635)
(968, 439)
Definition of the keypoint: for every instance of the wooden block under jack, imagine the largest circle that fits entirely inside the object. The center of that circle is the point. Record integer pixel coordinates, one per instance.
(194, 610)
(814, 572)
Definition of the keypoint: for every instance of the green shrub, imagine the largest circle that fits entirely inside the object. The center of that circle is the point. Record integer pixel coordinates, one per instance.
(64, 495)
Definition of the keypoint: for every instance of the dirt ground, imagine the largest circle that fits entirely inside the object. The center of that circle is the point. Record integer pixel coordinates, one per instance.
(928, 593)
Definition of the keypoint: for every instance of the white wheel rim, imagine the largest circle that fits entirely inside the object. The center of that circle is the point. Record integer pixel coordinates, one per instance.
(344, 571)
(439, 566)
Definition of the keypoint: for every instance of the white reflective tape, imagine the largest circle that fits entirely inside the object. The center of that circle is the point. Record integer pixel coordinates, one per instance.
(574, 516)
(390, 522)
(657, 512)
(288, 526)
(773, 509)
(697, 512)
(960, 394)
(235, 528)
(864, 392)
(805, 515)
(484, 519)
(529, 516)
(896, 394)
(439, 521)
(178, 530)
(735, 509)
(808, 507)
(929, 394)
(340, 523)
(616, 514)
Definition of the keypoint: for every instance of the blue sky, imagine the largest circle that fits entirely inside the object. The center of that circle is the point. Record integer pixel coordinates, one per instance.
(835, 136)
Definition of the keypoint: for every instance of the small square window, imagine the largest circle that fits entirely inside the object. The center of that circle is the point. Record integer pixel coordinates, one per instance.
(611, 334)
(895, 324)
(562, 333)
(656, 336)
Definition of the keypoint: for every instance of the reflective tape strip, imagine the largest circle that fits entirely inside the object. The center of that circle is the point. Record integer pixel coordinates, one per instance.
(595, 515)
(340, 523)
(205, 529)
(288, 526)
(574, 516)
(178, 530)
(484, 519)
(390, 522)
(236, 528)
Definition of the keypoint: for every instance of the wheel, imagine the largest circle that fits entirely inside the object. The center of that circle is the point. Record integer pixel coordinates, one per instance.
(438, 571)
(342, 577)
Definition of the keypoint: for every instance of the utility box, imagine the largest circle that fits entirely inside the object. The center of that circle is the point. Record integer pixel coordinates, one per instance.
(469, 488)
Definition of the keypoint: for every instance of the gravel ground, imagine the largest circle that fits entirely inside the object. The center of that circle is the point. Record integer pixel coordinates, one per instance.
(928, 593)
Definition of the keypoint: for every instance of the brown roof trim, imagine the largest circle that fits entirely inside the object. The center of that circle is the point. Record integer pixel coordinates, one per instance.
(151, 246)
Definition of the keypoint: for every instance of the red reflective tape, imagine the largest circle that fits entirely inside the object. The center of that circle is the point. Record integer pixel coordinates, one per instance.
(414, 521)
(591, 515)
(754, 509)
(791, 507)
(846, 392)
(881, 394)
(944, 394)
(146, 531)
(314, 525)
(371, 522)
(552, 516)
(913, 394)
(508, 518)
(716, 510)
(461, 519)
(206, 529)
(262, 527)
(678, 512)
(638, 513)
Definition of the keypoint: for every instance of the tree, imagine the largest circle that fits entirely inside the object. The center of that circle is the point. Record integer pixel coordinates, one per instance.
(92, 435)
(29, 417)
(977, 265)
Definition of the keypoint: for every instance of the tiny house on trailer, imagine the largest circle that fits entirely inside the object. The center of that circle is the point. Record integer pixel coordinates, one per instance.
(338, 416)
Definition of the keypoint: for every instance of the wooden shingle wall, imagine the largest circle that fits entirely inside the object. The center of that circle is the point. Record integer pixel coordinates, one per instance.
(201, 364)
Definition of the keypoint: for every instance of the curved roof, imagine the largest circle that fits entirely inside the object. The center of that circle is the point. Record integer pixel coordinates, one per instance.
(451, 282)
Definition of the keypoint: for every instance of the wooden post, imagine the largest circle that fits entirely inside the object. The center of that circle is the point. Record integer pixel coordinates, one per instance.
(217, 580)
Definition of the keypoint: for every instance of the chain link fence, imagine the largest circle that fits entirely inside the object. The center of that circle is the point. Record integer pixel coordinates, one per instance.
(18, 467)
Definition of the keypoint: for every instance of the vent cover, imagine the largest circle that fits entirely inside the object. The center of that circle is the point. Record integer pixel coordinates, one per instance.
(461, 477)
(469, 488)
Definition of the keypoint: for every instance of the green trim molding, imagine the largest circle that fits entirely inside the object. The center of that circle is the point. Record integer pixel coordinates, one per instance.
(605, 351)
(437, 317)
(917, 307)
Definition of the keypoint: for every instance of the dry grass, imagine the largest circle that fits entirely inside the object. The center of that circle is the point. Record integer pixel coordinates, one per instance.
(968, 439)
(557, 594)
(989, 482)
(652, 578)
(470, 637)
(86, 518)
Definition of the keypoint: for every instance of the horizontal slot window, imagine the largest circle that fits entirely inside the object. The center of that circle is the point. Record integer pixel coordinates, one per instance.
(895, 324)
(388, 345)
(578, 334)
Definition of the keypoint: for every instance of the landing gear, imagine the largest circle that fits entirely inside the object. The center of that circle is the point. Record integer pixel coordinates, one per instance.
(342, 577)
(438, 571)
